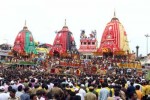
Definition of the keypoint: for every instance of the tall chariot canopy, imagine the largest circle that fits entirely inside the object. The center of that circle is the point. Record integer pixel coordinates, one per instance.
(24, 42)
(64, 42)
(114, 38)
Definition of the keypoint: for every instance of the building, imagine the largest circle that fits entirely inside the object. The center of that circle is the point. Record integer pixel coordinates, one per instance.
(88, 45)
(5, 51)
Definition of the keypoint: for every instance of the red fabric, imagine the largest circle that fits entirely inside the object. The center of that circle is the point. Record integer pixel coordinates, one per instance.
(112, 30)
(60, 43)
(52, 71)
(19, 42)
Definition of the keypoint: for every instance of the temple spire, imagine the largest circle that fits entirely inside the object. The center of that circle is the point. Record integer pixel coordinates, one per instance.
(25, 26)
(25, 23)
(114, 17)
(65, 25)
(114, 13)
(65, 22)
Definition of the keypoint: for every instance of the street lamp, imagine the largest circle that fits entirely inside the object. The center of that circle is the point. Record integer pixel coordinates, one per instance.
(128, 58)
(137, 51)
(147, 36)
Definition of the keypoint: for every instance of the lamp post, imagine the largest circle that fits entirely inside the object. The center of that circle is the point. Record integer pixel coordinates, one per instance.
(147, 36)
(127, 58)
(137, 51)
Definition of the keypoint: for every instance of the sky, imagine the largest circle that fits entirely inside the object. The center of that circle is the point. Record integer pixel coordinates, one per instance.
(44, 17)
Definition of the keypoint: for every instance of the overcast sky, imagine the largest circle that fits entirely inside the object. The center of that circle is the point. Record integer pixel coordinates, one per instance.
(44, 17)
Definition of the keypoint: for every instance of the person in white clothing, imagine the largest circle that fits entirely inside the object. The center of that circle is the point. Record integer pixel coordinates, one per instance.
(20, 91)
(3, 96)
(82, 91)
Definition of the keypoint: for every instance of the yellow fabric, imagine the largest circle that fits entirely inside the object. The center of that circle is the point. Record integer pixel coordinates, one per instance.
(77, 87)
(147, 90)
(34, 90)
(126, 85)
(112, 89)
(39, 88)
(124, 45)
(72, 89)
(67, 88)
(143, 90)
(87, 89)
(42, 50)
(107, 88)
(97, 91)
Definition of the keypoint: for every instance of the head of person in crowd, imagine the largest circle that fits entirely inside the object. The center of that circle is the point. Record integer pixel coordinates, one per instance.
(9, 88)
(91, 88)
(12, 82)
(43, 85)
(82, 86)
(26, 89)
(132, 83)
(123, 85)
(46, 87)
(137, 87)
(71, 86)
(40, 93)
(110, 86)
(20, 88)
(55, 84)
(32, 80)
(104, 85)
(12, 93)
(33, 97)
(99, 86)
(2, 89)
(65, 85)
(26, 80)
(36, 85)
(30, 85)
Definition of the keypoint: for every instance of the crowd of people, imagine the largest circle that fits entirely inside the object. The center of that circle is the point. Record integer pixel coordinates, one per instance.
(37, 83)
